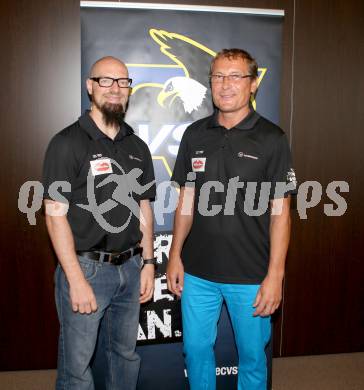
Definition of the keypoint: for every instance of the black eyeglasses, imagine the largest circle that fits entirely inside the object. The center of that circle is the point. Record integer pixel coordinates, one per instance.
(107, 82)
(219, 78)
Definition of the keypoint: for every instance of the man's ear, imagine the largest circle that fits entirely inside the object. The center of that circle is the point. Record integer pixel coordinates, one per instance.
(89, 86)
(254, 85)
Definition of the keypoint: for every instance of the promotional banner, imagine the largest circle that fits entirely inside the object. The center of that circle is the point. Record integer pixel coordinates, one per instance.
(168, 53)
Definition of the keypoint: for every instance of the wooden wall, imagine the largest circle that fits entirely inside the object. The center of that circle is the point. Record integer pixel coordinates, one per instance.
(323, 295)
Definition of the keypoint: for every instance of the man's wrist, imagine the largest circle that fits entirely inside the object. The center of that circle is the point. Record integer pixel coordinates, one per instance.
(275, 274)
(74, 275)
(175, 253)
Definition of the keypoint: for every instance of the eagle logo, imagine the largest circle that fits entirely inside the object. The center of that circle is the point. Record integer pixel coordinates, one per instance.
(190, 91)
(178, 89)
(194, 59)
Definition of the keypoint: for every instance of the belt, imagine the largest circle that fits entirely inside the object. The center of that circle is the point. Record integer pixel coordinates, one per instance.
(116, 258)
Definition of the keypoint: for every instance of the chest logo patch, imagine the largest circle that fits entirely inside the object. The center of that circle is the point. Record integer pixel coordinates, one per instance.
(101, 166)
(135, 158)
(242, 154)
(198, 164)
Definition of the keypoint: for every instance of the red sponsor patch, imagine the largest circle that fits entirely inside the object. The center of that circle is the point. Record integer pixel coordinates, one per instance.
(198, 164)
(102, 166)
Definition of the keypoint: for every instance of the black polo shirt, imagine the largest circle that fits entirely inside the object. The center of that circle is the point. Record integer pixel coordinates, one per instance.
(233, 245)
(82, 149)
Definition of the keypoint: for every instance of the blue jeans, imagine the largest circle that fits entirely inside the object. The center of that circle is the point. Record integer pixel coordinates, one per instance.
(201, 308)
(117, 291)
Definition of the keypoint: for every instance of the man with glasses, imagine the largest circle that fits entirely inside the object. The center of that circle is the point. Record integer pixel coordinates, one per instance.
(105, 250)
(225, 247)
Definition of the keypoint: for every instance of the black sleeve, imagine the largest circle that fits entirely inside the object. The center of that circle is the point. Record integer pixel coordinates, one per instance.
(280, 171)
(148, 176)
(58, 166)
(182, 165)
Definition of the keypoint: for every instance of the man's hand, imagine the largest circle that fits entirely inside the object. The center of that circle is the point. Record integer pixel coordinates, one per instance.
(82, 297)
(175, 275)
(268, 297)
(146, 283)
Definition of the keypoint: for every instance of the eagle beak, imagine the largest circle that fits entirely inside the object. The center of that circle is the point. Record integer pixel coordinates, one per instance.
(164, 96)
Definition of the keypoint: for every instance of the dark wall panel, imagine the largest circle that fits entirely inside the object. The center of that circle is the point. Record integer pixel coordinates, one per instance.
(324, 288)
(40, 66)
(40, 71)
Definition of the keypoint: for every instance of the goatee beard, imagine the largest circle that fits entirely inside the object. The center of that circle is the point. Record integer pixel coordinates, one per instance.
(113, 114)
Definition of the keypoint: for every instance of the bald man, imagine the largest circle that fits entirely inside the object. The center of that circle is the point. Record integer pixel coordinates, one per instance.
(104, 249)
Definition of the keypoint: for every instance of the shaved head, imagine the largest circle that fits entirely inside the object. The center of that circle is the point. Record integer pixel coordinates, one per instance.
(105, 63)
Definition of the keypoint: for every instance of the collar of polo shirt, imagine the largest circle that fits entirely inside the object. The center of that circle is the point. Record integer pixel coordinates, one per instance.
(246, 124)
(90, 126)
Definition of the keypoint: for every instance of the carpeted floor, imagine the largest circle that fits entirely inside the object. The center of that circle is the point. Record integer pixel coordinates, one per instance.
(324, 372)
